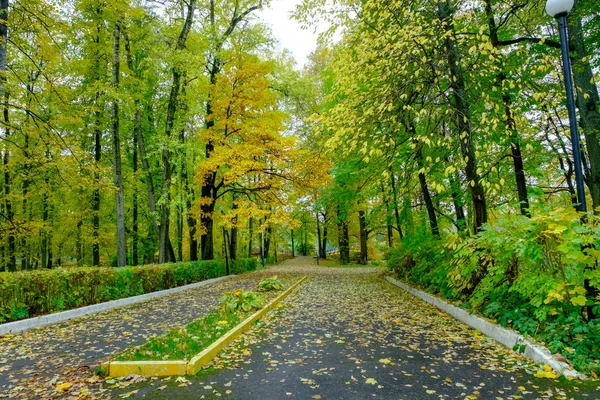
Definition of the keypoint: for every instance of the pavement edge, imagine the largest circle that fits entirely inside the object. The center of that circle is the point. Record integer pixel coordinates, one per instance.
(506, 337)
(51, 319)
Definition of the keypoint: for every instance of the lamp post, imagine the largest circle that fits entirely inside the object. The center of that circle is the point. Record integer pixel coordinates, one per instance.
(559, 10)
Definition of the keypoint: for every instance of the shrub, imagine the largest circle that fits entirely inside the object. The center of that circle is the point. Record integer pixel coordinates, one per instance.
(240, 300)
(30, 293)
(244, 265)
(526, 273)
(270, 284)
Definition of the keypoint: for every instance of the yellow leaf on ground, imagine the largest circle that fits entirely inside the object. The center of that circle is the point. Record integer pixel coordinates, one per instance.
(371, 381)
(64, 386)
(386, 361)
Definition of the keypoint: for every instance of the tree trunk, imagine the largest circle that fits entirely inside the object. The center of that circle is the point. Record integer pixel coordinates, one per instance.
(117, 167)
(324, 238)
(457, 201)
(250, 234)
(588, 101)
(135, 225)
(388, 217)
(233, 240)
(510, 120)
(293, 250)
(395, 199)
(363, 238)
(461, 106)
(343, 241)
(425, 188)
(11, 263)
(268, 233)
(318, 249)
(165, 248)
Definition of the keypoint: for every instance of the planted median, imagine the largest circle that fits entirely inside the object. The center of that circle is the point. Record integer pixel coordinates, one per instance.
(186, 350)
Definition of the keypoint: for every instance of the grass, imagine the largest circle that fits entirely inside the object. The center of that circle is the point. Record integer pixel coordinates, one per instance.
(186, 342)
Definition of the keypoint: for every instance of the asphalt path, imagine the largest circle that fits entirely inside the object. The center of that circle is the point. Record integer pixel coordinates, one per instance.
(348, 334)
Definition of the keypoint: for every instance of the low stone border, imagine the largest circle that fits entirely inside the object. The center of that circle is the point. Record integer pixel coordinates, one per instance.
(50, 319)
(506, 337)
(179, 367)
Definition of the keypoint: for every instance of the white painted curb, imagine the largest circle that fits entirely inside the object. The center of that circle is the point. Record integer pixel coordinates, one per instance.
(502, 335)
(44, 320)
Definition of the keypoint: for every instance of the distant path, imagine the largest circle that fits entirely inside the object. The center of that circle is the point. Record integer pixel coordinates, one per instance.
(348, 334)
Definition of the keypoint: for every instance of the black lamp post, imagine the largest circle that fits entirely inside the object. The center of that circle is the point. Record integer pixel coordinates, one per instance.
(559, 10)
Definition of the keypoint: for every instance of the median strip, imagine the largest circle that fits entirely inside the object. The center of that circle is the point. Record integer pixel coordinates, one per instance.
(191, 367)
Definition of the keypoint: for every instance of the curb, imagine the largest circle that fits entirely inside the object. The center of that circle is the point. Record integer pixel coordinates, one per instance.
(179, 367)
(50, 319)
(506, 337)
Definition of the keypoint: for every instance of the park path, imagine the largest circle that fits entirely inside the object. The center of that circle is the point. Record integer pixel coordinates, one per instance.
(343, 334)
(348, 334)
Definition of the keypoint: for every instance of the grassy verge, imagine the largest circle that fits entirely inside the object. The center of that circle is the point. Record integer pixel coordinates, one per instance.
(186, 342)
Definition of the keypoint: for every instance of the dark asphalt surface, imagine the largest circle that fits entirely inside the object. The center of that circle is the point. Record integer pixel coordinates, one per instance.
(348, 334)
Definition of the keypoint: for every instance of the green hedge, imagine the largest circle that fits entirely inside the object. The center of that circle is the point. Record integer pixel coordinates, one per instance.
(31, 293)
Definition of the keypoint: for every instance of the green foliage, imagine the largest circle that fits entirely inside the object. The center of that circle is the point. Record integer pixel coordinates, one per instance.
(244, 265)
(186, 342)
(30, 293)
(240, 300)
(270, 284)
(526, 273)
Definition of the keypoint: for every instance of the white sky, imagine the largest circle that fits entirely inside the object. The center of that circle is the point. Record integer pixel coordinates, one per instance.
(288, 32)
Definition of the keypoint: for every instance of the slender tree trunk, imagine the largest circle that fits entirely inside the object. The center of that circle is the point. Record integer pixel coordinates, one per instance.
(233, 240)
(135, 224)
(363, 238)
(318, 249)
(395, 199)
(388, 217)
(461, 106)
(250, 235)
(165, 248)
(268, 233)
(11, 263)
(457, 200)
(511, 124)
(425, 189)
(117, 165)
(293, 249)
(324, 238)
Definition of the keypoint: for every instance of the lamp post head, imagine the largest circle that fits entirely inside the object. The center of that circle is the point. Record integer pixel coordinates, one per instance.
(558, 8)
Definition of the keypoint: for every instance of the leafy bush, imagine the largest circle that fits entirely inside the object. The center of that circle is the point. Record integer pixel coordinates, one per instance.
(240, 300)
(526, 273)
(244, 265)
(270, 284)
(31, 293)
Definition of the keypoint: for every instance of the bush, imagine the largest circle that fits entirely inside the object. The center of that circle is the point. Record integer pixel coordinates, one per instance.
(270, 284)
(244, 265)
(240, 300)
(526, 273)
(31, 293)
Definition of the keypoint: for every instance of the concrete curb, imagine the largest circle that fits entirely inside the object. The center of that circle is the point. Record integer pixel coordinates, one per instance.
(44, 320)
(506, 337)
(179, 367)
